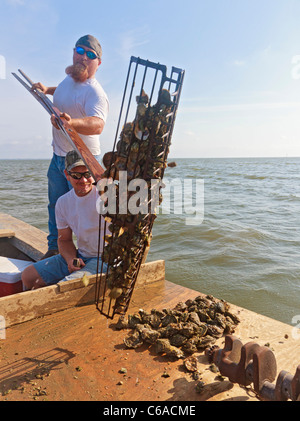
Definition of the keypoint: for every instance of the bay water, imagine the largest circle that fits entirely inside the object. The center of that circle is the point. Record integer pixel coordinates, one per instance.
(245, 249)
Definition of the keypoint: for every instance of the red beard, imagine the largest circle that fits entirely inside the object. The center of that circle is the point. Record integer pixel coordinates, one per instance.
(78, 72)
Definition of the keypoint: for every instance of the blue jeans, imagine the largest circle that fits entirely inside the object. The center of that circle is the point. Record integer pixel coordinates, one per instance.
(57, 186)
(55, 269)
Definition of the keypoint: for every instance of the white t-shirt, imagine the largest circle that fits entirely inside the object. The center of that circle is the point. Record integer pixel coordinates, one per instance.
(80, 214)
(79, 100)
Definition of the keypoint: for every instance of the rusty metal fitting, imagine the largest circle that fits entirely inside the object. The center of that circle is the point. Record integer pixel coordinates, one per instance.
(254, 364)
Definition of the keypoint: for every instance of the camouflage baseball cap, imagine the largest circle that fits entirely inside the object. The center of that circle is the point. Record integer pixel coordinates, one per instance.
(91, 42)
(73, 160)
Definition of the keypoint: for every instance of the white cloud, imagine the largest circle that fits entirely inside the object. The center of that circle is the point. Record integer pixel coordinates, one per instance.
(239, 63)
(132, 40)
(240, 107)
(15, 2)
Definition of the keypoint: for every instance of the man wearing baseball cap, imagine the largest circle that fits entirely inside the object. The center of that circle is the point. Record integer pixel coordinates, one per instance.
(76, 213)
(81, 100)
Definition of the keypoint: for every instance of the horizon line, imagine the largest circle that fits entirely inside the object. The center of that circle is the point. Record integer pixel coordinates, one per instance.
(174, 158)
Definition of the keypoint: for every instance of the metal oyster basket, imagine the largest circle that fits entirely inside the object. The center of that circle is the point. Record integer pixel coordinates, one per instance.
(139, 157)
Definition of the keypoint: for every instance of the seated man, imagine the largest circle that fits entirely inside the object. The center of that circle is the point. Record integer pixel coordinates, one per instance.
(76, 213)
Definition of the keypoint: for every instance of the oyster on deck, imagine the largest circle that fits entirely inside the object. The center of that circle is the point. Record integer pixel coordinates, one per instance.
(181, 330)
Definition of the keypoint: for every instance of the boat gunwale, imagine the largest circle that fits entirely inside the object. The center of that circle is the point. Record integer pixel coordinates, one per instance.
(27, 305)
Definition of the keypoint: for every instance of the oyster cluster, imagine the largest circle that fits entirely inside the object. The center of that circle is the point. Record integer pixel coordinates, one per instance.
(122, 252)
(187, 328)
(142, 152)
(143, 145)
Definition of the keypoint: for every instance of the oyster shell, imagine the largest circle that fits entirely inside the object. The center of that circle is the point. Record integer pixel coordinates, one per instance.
(121, 323)
(134, 320)
(205, 341)
(133, 340)
(181, 306)
(233, 317)
(149, 335)
(190, 345)
(188, 330)
(215, 331)
(191, 363)
(194, 318)
(141, 151)
(177, 339)
(181, 330)
(169, 318)
(163, 346)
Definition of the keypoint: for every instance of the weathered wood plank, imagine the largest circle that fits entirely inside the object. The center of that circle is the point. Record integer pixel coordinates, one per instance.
(28, 239)
(80, 348)
(6, 233)
(28, 305)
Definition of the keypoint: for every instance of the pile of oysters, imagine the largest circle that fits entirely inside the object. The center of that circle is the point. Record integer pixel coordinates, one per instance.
(143, 145)
(142, 152)
(187, 328)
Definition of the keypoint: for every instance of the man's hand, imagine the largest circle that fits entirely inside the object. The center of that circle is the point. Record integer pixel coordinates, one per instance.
(66, 116)
(40, 87)
(72, 267)
(45, 89)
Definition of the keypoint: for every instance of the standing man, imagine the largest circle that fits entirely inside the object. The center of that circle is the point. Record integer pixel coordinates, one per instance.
(76, 213)
(81, 100)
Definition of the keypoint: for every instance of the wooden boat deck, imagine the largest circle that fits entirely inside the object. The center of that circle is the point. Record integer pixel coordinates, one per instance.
(77, 354)
(21, 240)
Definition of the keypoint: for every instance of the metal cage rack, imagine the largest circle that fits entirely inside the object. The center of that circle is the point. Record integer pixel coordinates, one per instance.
(148, 111)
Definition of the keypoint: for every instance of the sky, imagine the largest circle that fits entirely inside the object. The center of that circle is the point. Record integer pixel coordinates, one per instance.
(241, 91)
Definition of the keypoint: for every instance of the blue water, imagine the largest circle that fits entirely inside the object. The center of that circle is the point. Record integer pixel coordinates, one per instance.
(246, 250)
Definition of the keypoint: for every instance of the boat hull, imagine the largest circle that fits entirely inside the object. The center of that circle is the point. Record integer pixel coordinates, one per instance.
(21, 240)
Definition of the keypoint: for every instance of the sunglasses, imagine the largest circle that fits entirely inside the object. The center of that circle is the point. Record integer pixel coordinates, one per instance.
(79, 175)
(90, 54)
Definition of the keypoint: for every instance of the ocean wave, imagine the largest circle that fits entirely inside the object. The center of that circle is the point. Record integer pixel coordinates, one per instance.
(286, 197)
(255, 177)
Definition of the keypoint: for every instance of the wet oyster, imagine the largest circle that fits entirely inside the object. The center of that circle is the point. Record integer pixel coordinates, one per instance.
(163, 346)
(134, 320)
(168, 319)
(177, 339)
(141, 151)
(181, 306)
(190, 345)
(180, 331)
(214, 331)
(133, 340)
(233, 317)
(148, 334)
(205, 342)
(194, 318)
(191, 363)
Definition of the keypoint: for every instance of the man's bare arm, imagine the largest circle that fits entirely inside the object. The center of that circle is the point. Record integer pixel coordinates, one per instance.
(85, 125)
(67, 248)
